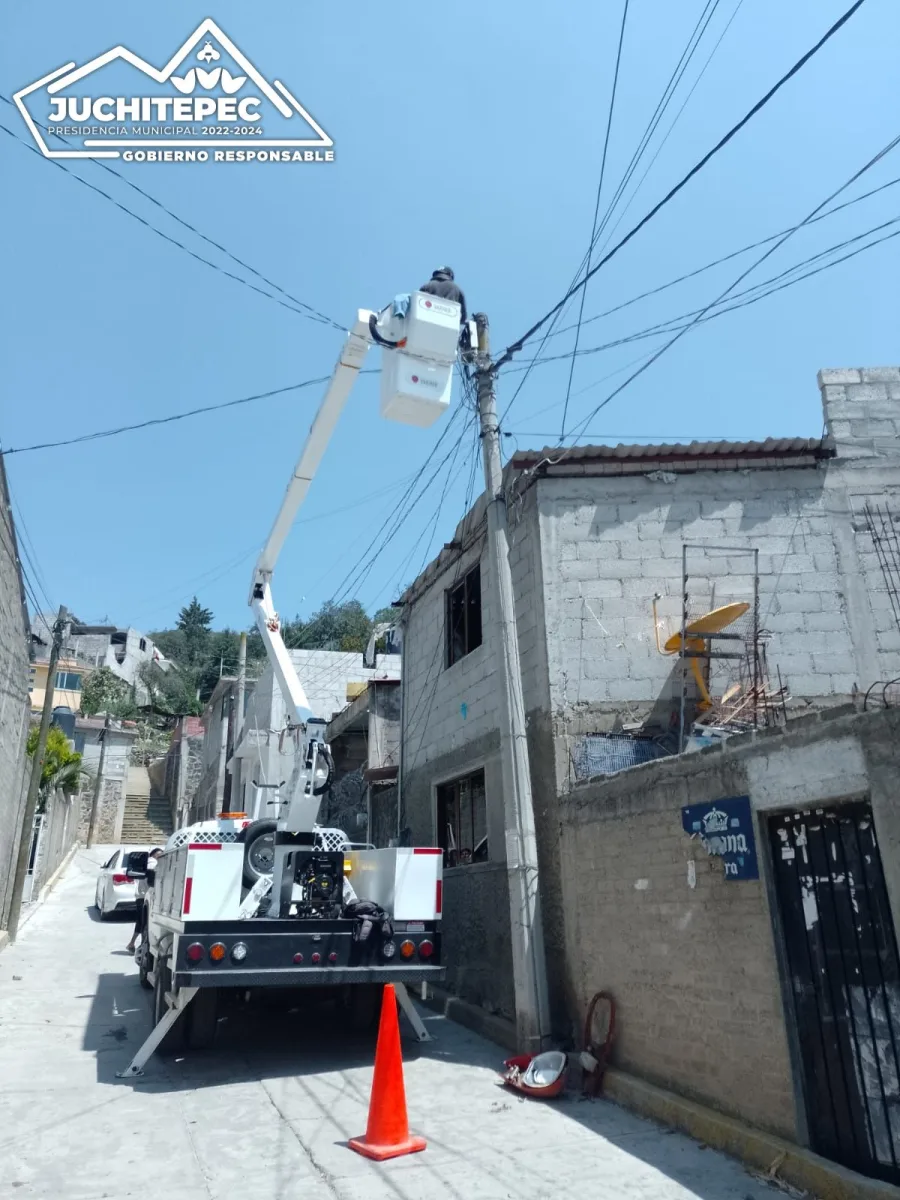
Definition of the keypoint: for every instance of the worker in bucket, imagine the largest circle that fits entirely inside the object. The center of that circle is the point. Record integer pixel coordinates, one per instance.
(442, 284)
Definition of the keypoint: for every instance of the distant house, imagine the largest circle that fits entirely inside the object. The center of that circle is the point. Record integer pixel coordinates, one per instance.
(264, 754)
(123, 650)
(67, 683)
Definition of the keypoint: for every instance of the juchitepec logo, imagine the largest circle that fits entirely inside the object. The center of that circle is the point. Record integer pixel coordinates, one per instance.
(208, 103)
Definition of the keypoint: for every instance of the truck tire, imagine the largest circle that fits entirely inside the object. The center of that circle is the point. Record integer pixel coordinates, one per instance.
(202, 1018)
(174, 1039)
(145, 963)
(259, 850)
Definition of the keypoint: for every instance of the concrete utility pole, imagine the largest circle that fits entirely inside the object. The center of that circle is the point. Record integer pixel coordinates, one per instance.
(98, 782)
(529, 969)
(237, 724)
(241, 688)
(34, 783)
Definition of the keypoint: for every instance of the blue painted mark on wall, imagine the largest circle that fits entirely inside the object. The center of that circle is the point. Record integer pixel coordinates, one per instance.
(725, 827)
(464, 710)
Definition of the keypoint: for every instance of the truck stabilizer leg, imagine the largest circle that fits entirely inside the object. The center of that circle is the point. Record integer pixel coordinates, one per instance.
(412, 1013)
(156, 1035)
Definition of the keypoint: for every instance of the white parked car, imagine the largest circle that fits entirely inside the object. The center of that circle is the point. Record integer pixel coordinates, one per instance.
(115, 891)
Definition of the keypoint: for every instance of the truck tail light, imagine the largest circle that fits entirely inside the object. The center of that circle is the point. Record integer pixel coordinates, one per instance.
(217, 951)
(407, 949)
(119, 879)
(195, 952)
(315, 958)
(298, 958)
(438, 896)
(388, 949)
(239, 951)
(426, 949)
(332, 957)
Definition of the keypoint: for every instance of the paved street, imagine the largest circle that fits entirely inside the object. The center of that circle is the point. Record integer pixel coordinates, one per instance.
(267, 1114)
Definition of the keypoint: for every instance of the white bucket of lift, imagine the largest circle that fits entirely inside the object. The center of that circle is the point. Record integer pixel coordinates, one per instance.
(414, 391)
(416, 378)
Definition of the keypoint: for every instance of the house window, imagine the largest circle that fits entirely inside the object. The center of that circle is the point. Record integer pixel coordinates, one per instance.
(68, 681)
(143, 643)
(462, 820)
(464, 617)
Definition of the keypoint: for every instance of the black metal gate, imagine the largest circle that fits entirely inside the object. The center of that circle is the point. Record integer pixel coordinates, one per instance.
(845, 978)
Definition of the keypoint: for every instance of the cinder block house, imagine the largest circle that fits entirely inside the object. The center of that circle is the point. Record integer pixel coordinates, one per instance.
(597, 552)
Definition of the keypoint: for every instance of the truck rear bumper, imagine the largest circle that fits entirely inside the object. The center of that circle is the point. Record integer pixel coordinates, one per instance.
(308, 976)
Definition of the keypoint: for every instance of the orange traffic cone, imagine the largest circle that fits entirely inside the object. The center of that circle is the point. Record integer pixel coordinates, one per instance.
(387, 1134)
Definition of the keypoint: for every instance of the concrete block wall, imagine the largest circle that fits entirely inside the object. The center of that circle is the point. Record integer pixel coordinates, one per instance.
(862, 410)
(702, 1005)
(693, 970)
(435, 694)
(14, 705)
(113, 784)
(612, 543)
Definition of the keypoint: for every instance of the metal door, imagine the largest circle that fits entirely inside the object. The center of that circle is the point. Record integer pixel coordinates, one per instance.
(845, 978)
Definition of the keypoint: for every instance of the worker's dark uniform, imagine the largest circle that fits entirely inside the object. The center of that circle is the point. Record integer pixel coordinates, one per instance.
(441, 284)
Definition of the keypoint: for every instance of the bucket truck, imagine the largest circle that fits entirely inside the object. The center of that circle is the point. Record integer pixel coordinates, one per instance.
(330, 914)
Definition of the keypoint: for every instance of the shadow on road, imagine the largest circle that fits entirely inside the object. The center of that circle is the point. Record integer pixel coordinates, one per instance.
(276, 1038)
(117, 917)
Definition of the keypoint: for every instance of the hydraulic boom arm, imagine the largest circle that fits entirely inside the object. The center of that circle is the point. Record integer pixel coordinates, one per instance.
(345, 374)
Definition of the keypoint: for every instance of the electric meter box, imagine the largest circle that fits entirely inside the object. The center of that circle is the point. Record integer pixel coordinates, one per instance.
(431, 328)
(413, 390)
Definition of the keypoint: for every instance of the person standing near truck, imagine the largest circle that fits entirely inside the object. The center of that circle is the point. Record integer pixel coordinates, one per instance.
(141, 887)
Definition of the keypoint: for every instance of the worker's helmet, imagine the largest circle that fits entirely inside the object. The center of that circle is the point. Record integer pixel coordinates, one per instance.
(444, 271)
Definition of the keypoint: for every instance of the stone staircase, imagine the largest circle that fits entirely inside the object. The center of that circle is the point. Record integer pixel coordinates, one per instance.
(147, 821)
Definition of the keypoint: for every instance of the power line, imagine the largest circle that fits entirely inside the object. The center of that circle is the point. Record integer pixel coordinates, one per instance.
(661, 106)
(193, 412)
(698, 166)
(356, 576)
(609, 119)
(311, 314)
(713, 303)
(726, 258)
(193, 229)
(31, 558)
(668, 132)
(764, 288)
(663, 103)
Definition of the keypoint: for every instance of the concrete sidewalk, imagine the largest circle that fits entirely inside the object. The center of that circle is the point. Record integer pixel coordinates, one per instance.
(267, 1114)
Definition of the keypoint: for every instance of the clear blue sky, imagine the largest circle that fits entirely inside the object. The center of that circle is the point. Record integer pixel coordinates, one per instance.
(467, 136)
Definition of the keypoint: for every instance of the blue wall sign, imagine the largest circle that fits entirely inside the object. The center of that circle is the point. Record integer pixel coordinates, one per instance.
(725, 827)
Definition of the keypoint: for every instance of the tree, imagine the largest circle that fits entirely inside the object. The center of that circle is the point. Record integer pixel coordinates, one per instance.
(105, 692)
(173, 692)
(194, 622)
(61, 770)
(333, 627)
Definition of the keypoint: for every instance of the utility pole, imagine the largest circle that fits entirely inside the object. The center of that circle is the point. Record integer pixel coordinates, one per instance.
(237, 726)
(241, 687)
(34, 783)
(98, 782)
(526, 930)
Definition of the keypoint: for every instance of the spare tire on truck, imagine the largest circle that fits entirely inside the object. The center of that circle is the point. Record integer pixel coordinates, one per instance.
(259, 850)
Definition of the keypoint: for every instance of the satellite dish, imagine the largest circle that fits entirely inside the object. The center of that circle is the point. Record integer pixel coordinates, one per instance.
(710, 623)
(696, 632)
